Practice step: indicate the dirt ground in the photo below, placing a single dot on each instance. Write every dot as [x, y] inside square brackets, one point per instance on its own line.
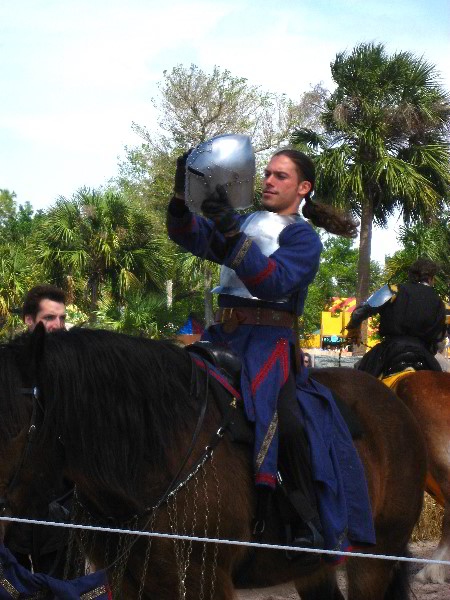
[420, 591]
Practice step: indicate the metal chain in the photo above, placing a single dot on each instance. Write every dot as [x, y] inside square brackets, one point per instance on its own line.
[173, 523]
[218, 523]
[71, 545]
[205, 529]
[90, 567]
[82, 539]
[107, 547]
[204, 549]
[146, 559]
[114, 577]
[123, 551]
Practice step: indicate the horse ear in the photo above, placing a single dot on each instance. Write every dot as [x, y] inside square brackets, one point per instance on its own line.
[37, 342]
[38, 335]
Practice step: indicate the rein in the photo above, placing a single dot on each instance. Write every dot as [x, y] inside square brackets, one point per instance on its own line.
[34, 393]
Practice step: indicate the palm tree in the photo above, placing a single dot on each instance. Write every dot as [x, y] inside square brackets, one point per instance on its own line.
[384, 145]
[17, 273]
[97, 237]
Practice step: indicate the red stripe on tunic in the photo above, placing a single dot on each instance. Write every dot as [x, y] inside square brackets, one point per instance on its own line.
[268, 479]
[281, 353]
[259, 278]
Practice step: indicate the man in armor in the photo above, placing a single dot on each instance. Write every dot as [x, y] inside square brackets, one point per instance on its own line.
[268, 259]
[412, 322]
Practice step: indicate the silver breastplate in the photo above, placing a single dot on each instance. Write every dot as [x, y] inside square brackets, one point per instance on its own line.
[264, 229]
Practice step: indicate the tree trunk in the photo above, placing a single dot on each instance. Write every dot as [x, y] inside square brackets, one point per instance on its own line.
[70, 293]
[169, 292]
[94, 300]
[365, 246]
[209, 317]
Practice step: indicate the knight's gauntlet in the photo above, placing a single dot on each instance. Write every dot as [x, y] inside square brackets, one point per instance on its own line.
[354, 335]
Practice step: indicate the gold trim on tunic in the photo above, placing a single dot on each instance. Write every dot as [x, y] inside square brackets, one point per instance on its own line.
[7, 585]
[267, 441]
[94, 593]
[242, 252]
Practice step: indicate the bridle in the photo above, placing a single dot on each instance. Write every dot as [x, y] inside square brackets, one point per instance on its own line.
[31, 434]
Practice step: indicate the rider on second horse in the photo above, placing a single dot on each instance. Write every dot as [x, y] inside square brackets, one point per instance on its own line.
[412, 322]
[268, 260]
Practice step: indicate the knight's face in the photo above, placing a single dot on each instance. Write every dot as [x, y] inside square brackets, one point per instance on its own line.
[283, 191]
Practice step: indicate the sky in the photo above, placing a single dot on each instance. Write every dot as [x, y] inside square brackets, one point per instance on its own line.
[75, 74]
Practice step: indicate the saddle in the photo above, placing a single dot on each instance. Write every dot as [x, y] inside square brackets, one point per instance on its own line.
[394, 355]
[408, 353]
[229, 366]
[222, 358]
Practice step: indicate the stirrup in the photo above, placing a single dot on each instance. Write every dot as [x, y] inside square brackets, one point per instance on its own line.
[259, 527]
[309, 538]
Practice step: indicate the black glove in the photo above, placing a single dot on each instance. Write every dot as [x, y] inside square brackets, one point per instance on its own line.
[217, 208]
[180, 175]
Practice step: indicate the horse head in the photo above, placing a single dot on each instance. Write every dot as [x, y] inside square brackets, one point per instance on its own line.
[21, 416]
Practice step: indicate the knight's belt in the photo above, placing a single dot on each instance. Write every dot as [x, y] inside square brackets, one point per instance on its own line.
[254, 316]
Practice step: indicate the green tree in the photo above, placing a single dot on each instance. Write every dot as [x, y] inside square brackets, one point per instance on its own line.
[17, 275]
[16, 223]
[18, 268]
[384, 145]
[423, 239]
[196, 106]
[97, 238]
[146, 314]
[7, 205]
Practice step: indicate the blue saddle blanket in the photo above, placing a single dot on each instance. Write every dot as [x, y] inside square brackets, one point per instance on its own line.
[18, 582]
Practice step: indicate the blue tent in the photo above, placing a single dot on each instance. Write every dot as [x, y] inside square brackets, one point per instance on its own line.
[192, 326]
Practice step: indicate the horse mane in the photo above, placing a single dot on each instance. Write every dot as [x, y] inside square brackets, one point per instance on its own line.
[14, 410]
[118, 404]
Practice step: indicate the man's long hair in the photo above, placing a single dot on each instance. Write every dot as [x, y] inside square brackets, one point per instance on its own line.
[318, 213]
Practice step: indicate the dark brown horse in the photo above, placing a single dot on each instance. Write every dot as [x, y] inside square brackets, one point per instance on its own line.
[427, 395]
[118, 414]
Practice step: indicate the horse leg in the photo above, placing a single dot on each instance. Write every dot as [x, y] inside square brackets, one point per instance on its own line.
[220, 587]
[378, 579]
[436, 573]
[375, 579]
[323, 588]
[177, 569]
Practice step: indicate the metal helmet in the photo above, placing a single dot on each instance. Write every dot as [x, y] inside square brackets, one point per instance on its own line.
[227, 160]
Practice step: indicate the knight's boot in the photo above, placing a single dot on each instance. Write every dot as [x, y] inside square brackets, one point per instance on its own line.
[263, 500]
[303, 527]
[302, 523]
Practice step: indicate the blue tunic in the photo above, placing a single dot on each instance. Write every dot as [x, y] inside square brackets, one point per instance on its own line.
[16, 581]
[266, 355]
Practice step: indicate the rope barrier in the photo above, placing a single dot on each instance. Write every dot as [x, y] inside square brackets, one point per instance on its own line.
[222, 541]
